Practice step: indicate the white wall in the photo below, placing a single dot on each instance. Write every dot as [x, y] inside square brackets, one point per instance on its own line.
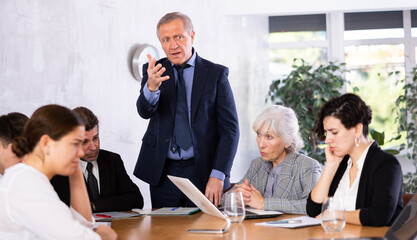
[76, 53]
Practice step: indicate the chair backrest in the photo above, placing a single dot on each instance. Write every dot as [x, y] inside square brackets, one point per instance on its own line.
[231, 186]
[406, 198]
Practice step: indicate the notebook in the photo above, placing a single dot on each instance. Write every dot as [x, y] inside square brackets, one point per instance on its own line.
[198, 198]
[113, 215]
[404, 227]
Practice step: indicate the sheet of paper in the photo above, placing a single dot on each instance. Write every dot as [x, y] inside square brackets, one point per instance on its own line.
[174, 211]
[114, 215]
[107, 223]
[305, 222]
[143, 211]
[262, 212]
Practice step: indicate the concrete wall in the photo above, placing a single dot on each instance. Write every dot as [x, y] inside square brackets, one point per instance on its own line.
[76, 53]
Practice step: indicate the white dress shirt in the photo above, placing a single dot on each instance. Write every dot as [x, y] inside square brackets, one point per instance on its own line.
[31, 209]
[346, 192]
[83, 165]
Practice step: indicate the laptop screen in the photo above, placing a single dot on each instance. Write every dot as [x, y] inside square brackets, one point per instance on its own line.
[405, 226]
[194, 194]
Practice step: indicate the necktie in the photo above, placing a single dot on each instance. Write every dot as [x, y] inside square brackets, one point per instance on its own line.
[181, 134]
[92, 183]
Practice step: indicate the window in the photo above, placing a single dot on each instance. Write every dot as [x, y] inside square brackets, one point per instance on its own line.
[296, 37]
[414, 23]
[375, 46]
[377, 53]
[370, 71]
[414, 32]
[281, 60]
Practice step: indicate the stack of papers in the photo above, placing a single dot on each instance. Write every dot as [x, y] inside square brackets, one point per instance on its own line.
[296, 222]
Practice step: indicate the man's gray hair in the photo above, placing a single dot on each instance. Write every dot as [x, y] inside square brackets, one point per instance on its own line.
[188, 25]
[284, 123]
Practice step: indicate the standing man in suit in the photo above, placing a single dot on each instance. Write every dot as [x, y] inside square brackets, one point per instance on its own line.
[193, 130]
[109, 186]
[11, 127]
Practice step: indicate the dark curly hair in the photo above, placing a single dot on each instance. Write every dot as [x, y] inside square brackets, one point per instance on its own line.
[349, 108]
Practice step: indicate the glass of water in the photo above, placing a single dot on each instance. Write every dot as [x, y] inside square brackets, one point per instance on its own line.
[234, 207]
[332, 215]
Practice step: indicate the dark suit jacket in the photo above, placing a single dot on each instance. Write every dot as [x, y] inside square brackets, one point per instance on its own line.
[214, 123]
[380, 188]
[117, 191]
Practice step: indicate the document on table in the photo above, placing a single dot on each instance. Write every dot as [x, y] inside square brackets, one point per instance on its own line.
[262, 212]
[175, 211]
[102, 222]
[296, 222]
[114, 215]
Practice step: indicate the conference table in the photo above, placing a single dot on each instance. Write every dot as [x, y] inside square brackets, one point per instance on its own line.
[175, 227]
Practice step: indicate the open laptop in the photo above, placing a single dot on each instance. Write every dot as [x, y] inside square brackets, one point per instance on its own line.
[404, 227]
[198, 198]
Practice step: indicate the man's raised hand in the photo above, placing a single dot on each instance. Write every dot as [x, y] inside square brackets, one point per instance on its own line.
[155, 78]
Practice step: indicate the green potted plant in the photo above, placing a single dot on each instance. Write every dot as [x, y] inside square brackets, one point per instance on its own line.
[407, 119]
[305, 90]
[379, 137]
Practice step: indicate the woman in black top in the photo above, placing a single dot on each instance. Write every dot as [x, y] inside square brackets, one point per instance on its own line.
[350, 155]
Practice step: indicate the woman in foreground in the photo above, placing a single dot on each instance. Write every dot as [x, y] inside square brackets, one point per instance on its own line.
[29, 206]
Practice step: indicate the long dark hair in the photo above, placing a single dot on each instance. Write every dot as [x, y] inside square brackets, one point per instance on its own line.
[53, 120]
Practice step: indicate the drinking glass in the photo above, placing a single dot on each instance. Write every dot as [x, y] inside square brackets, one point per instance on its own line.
[237, 232]
[234, 208]
[332, 215]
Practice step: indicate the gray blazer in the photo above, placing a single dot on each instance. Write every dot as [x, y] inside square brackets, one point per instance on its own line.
[298, 177]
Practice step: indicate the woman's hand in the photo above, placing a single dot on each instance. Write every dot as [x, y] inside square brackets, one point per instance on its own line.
[331, 158]
[79, 197]
[245, 189]
[106, 232]
[251, 196]
[321, 190]
[256, 199]
[244, 186]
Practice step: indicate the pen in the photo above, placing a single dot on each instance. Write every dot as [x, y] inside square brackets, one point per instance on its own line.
[284, 221]
[101, 215]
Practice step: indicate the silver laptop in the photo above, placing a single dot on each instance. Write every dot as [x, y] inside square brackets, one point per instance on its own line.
[194, 194]
[198, 198]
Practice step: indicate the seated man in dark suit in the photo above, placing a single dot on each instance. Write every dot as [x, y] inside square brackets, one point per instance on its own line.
[109, 186]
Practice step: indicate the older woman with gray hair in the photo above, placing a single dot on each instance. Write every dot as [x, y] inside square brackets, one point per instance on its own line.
[281, 178]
